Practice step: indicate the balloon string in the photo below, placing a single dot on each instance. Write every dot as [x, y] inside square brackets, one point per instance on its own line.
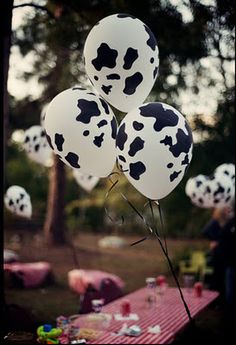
[171, 267]
[162, 225]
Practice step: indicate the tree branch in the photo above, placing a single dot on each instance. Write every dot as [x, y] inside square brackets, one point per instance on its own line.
[36, 6]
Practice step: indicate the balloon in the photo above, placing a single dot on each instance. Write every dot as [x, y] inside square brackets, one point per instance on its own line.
[154, 148]
[210, 192]
[81, 129]
[36, 146]
[121, 60]
[87, 182]
[17, 201]
[227, 169]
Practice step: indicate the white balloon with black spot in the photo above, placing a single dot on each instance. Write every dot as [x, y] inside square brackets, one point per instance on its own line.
[81, 129]
[17, 201]
[226, 169]
[87, 182]
[122, 60]
[36, 146]
[154, 148]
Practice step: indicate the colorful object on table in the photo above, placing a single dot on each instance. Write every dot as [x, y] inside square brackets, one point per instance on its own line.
[97, 305]
[198, 287]
[48, 335]
[131, 316]
[17, 201]
[160, 280]
[125, 307]
[133, 331]
[122, 60]
[154, 143]
[81, 129]
[62, 322]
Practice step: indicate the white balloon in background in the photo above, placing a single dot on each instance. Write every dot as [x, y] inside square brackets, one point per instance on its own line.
[17, 201]
[87, 182]
[154, 148]
[36, 146]
[81, 129]
[226, 169]
[43, 114]
[121, 60]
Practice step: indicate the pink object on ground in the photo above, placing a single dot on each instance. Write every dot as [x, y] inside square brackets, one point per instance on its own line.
[80, 279]
[32, 274]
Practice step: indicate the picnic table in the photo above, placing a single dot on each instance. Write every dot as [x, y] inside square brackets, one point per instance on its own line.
[168, 312]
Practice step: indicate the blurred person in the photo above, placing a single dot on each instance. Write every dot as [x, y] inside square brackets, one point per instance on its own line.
[221, 232]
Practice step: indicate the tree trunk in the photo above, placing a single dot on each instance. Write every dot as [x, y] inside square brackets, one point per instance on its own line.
[7, 19]
[54, 226]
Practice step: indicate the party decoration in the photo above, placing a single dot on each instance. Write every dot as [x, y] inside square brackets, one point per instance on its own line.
[87, 182]
[48, 335]
[121, 60]
[227, 169]
[36, 146]
[81, 129]
[17, 201]
[213, 191]
[154, 148]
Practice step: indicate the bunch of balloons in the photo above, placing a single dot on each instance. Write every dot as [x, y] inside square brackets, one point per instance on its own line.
[214, 191]
[153, 143]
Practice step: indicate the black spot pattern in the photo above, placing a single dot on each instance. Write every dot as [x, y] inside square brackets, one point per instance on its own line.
[106, 57]
[43, 134]
[113, 128]
[130, 56]
[155, 72]
[136, 146]
[35, 137]
[22, 207]
[125, 15]
[86, 133]
[136, 169]
[10, 203]
[102, 123]
[49, 141]
[219, 190]
[174, 175]
[200, 200]
[216, 201]
[105, 106]
[59, 140]
[78, 88]
[185, 161]
[228, 198]
[98, 140]
[152, 60]
[170, 165]
[121, 137]
[36, 148]
[96, 77]
[167, 140]
[106, 89]
[151, 42]
[198, 183]
[91, 93]
[122, 158]
[88, 110]
[164, 118]
[72, 158]
[113, 76]
[226, 172]
[27, 139]
[132, 82]
[138, 126]
[183, 143]
[17, 201]
[22, 196]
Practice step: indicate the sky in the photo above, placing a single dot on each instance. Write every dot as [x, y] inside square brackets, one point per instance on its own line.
[203, 103]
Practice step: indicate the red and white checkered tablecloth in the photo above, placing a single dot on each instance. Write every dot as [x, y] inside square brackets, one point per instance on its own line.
[169, 313]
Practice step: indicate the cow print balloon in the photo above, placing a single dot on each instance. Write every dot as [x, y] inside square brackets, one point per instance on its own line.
[213, 191]
[81, 129]
[154, 148]
[17, 201]
[227, 169]
[121, 60]
[36, 146]
[87, 182]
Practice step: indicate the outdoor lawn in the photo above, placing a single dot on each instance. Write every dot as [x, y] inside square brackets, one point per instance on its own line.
[132, 264]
